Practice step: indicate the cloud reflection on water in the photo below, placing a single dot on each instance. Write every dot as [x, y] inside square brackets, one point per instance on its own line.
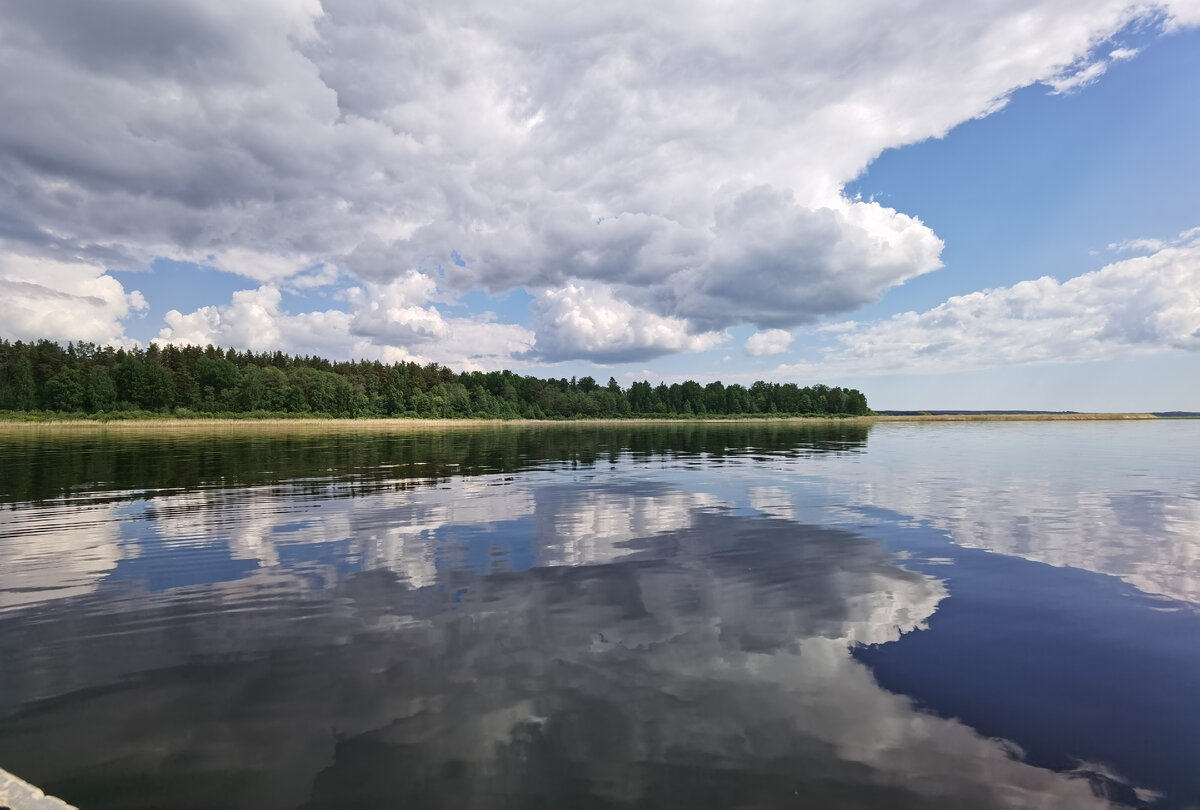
[657, 648]
[60, 552]
[1112, 498]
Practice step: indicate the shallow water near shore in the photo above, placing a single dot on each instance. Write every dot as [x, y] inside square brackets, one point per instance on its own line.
[664, 615]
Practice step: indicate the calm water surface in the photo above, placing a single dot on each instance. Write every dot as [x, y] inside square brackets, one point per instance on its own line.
[694, 616]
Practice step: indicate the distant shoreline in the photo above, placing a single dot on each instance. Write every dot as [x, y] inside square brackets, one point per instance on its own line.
[1011, 417]
[199, 425]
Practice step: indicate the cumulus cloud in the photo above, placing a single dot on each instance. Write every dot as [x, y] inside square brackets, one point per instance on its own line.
[1138, 305]
[1075, 78]
[772, 341]
[790, 264]
[61, 300]
[395, 312]
[383, 323]
[253, 320]
[588, 321]
[688, 158]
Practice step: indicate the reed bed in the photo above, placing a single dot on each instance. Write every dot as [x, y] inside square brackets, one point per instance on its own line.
[235, 426]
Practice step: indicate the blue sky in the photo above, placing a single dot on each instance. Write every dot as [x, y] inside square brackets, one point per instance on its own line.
[944, 207]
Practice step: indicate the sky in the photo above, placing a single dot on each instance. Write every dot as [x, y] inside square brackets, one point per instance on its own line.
[945, 205]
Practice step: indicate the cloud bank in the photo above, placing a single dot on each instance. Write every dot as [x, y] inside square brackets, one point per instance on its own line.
[1138, 305]
[681, 164]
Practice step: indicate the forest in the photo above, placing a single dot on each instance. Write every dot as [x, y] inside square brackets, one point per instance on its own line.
[88, 380]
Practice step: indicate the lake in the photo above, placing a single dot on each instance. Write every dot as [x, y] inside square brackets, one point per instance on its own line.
[693, 615]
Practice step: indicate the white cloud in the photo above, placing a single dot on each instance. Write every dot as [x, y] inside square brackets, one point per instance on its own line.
[1181, 15]
[395, 312]
[253, 320]
[589, 321]
[1075, 78]
[259, 265]
[383, 323]
[687, 156]
[1146, 245]
[61, 300]
[772, 341]
[323, 275]
[1139, 305]
[1089, 70]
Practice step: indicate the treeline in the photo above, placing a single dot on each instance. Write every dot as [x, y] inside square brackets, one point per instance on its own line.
[83, 378]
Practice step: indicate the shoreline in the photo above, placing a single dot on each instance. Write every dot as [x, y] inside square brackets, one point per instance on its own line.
[200, 425]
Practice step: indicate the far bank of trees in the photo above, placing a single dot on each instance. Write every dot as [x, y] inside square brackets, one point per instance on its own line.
[82, 378]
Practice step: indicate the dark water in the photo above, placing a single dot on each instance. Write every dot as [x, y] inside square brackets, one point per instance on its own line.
[692, 616]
